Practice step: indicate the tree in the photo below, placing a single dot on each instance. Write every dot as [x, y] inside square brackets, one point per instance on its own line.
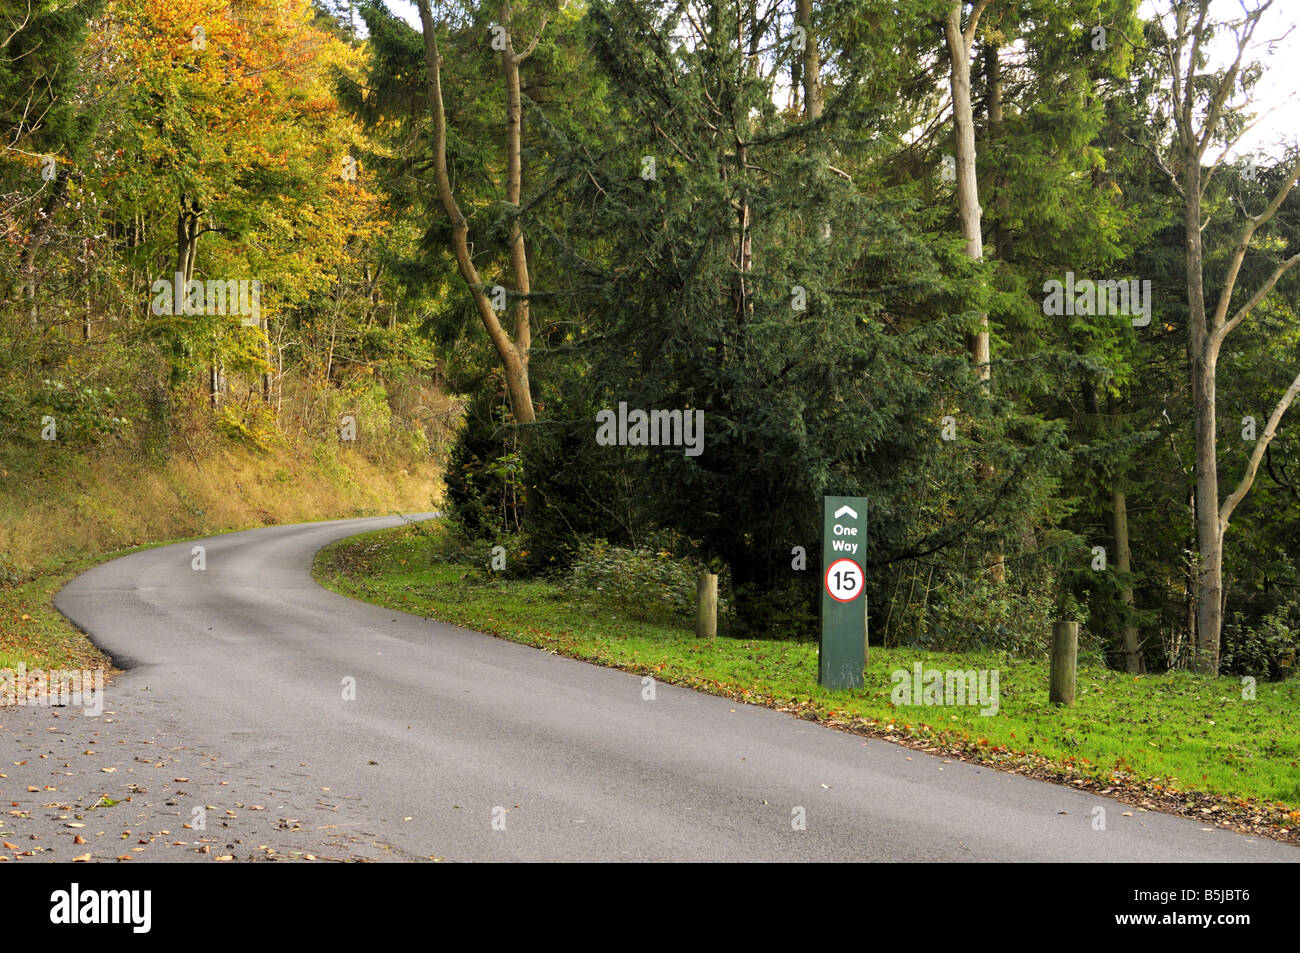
[1200, 107]
[512, 351]
[960, 39]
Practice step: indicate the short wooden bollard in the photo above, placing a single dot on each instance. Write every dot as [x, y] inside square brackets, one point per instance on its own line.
[1065, 653]
[866, 635]
[706, 618]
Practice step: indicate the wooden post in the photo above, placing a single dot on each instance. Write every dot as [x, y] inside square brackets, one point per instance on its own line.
[1065, 652]
[866, 632]
[706, 618]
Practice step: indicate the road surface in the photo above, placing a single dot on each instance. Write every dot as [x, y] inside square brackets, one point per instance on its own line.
[464, 747]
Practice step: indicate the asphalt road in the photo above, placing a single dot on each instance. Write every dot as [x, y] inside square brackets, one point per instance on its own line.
[237, 677]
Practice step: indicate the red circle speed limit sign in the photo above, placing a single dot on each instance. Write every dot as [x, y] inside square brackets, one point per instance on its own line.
[844, 580]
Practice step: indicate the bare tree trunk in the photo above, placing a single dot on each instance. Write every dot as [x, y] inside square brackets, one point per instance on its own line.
[1001, 202]
[27, 261]
[267, 375]
[961, 41]
[1123, 565]
[814, 97]
[1197, 101]
[513, 359]
[969, 212]
[514, 189]
[86, 277]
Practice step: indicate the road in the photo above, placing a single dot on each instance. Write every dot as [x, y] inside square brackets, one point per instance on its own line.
[463, 747]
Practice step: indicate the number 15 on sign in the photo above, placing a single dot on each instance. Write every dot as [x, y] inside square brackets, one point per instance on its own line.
[844, 580]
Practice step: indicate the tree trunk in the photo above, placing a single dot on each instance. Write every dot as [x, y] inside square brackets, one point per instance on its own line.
[1001, 202]
[968, 201]
[814, 97]
[267, 376]
[960, 43]
[1203, 359]
[27, 261]
[513, 361]
[1123, 566]
[514, 190]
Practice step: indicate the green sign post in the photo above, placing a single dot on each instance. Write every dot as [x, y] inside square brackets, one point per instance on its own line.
[842, 653]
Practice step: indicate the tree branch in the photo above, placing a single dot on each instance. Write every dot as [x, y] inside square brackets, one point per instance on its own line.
[1239, 254]
[1230, 504]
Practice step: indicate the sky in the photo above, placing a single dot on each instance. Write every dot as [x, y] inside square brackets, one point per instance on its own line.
[1278, 89]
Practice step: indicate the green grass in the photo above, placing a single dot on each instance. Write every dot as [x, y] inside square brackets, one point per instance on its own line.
[34, 633]
[1174, 741]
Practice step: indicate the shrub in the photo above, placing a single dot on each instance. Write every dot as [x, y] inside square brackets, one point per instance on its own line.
[643, 583]
[786, 612]
[1267, 648]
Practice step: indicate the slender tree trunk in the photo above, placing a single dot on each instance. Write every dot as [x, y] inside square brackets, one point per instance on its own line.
[514, 192]
[961, 41]
[1203, 359]
[86, 278]
[1001, 202]
[968, 201]
[267, 375]
[27, 261]
[514, 361]
[814, 98]
[1123, 565]
[814, 95]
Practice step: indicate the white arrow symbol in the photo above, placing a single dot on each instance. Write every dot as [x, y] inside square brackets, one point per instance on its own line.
[844, 509]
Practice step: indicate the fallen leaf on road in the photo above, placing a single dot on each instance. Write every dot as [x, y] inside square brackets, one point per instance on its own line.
[84, 858]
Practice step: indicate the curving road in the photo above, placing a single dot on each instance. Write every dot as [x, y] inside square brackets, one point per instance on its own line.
[237, 671]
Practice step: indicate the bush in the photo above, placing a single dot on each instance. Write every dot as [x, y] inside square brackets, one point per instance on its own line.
[254, 425]
[980, 613]
[1265, 649]
[83, 414]
[786, 612]
[643, 583]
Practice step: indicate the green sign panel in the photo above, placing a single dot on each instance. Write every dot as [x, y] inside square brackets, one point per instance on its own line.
[843, 653]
